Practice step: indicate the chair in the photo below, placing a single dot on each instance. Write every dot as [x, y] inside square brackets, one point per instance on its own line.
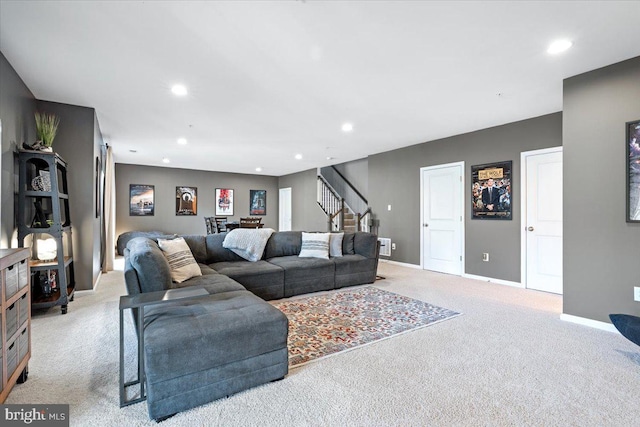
[211, 225]
[250, 222]
[221, 224]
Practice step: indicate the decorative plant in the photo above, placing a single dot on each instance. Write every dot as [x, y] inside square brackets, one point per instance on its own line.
[46, 128]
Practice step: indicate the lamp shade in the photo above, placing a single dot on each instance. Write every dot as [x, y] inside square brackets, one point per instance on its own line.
[47, 249]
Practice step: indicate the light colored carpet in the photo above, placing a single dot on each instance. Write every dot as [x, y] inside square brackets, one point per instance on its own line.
[508, 361]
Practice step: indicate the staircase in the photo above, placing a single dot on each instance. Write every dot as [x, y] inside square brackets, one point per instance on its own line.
[340, 211]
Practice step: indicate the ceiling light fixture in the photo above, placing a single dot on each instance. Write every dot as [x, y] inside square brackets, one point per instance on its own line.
[347, 127]
[559, 46]
[298, 156]
[179, 90]
[182, 141]
[165, 160]
[258, 169]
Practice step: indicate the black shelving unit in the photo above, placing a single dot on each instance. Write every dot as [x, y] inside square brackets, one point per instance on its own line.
[43, 209]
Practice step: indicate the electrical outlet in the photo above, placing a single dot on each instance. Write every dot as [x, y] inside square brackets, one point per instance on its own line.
[636, 293]
[485, 257]
[393, 246]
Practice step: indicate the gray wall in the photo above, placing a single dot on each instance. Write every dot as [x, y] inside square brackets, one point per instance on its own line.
[77, 141]
[17, 107]
[394, 179]
[306, 214]
[166, 180]
[357, 173]
[601, 250]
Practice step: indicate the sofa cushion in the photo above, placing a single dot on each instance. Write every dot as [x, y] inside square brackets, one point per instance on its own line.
[354, 270]
[201, 333]
[347, 243]
[198, 247]
[150, 265]
[262, 278]
[213, 283]
[181, 262]
[304, 275]
[283, 243]
[215, 251]
[366, 244]
[315, 245]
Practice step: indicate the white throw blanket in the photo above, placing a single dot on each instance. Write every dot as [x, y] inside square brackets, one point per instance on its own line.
[249, 243]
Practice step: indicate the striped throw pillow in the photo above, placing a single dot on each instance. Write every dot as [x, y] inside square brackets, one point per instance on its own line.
[181, 261]
[315, 245]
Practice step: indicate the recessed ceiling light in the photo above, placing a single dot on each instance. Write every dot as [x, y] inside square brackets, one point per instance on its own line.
[165, 160]
[182, 141]
[347, 127]
[258, 169]
[179, 90]
[559, 46]
[298, 156]
[330, 158]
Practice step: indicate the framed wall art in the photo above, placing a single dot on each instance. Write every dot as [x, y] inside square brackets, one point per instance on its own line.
[257, 202]
[186, 201]
[633, 171]
[141, 200]
[491, 191]
[224, 202]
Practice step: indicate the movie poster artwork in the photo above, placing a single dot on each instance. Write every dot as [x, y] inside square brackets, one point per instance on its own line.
[224, 202]
[257, 202]
[633, 171]
[141, 200]
[186, 201]
[491, 191]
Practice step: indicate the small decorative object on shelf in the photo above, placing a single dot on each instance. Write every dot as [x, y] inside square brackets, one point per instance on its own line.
[45, 224]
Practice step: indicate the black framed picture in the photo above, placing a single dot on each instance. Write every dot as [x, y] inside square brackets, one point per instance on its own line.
[257, 202]
[141, 200]
[186, 201]
[491, 191]
[633, 171]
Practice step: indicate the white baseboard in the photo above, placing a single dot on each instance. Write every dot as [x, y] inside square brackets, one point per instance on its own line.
[492, 280]
[589, 322]
[401, 264]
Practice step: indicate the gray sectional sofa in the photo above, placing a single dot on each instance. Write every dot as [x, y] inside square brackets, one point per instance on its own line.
[203, 349]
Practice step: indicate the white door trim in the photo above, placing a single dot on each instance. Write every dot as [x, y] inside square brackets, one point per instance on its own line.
[281, 208]
[462, 193]
[523, 207]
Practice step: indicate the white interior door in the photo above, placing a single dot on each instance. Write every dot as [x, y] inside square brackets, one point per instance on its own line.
[284, 221]
[442, 218]
[543, 222]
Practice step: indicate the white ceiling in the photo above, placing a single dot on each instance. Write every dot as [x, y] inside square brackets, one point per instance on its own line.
[268, 80]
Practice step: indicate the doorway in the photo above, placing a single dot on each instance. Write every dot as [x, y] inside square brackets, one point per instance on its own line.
[284, 212]
[442, 225]
[541, 259]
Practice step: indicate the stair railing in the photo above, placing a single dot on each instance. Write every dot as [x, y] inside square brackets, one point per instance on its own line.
[363, 220]
[332, 205]
[342, 187]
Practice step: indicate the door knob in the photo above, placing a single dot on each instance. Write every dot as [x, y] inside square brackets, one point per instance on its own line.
[530, 228]
[425, 224]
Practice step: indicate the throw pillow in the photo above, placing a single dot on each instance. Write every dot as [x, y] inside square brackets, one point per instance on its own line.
[181, 261]
[315, 245]
[335, 244]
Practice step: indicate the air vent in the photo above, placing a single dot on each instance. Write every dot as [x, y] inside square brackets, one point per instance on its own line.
[385, 246]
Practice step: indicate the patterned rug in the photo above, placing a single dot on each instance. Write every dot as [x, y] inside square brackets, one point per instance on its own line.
[326, 324]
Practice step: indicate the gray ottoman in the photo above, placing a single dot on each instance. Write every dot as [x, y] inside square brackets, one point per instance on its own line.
[211, 347]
